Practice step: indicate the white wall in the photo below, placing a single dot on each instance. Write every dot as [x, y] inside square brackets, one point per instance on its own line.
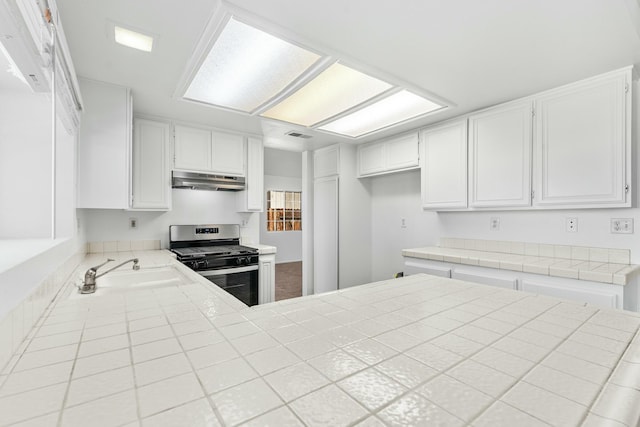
[282, 163]
[189, 207]
[354, 223]
[394, 197]
[289, 243]
[25, 164]
[65, 183]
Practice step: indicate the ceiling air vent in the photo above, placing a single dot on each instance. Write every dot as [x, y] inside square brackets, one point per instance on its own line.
[298, 135]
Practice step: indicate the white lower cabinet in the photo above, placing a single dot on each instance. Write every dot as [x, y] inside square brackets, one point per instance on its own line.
[508, 282]
[598, 294]
[601, 295]
[151, 168]
[267, 278]
[418, 265]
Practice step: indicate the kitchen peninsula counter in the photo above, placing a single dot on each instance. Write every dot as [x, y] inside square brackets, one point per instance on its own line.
[419, 350]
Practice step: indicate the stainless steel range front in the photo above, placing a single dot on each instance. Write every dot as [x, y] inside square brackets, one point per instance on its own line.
[214, 251]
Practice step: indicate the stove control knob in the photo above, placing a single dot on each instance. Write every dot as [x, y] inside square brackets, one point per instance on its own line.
[239, 261]
[192, 264]
[202, 264]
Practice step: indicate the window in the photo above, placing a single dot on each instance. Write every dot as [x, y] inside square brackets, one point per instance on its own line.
[283, 211]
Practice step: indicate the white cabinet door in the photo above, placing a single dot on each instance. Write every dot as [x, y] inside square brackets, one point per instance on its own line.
[326, 162]
[419, 265]
[371, 159]
[266, 282]
[397, 154]
[325, 235]
[500, 156]
[227, 154]
[583, 144]
[252, 199]
[192, 148]
[508, 282]
[402, 152]
[151, 166]
[104, 146]
[600, 298]
[444, 166]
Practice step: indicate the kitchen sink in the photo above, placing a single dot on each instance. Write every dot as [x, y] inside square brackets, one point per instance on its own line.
[135, 280]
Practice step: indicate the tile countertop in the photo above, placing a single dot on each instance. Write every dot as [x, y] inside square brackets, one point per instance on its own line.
[618, 274]
[420, 350]
[262, 249]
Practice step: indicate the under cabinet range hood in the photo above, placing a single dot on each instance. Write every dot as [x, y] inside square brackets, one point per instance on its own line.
[204, 181]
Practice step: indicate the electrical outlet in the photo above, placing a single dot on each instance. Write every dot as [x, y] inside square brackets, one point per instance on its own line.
[244, 222]
[133, 222]
[622, 225]
[494, 223]
[572, 225]
[403, 223]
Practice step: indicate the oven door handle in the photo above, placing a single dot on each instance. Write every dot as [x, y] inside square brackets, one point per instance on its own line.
[226, 271]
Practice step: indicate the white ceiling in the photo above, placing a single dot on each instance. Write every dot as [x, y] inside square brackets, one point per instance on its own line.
[472, 53]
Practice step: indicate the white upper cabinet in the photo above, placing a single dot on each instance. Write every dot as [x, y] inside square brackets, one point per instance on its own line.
[104, 146]
[500, 141]
[371, 159]
[205, 150]
[151, 183]
[392, 155]
[583, 143]
[192, 148]
[444, 166]
[326, 161]
[252, 198]
[228, 153]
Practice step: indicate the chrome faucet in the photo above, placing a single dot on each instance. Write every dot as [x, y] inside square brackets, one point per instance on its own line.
[91, 275]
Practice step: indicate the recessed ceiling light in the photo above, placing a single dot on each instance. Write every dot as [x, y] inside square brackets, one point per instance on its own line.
[247, 67]
[389, 111]
[133, 39]
[241, 68]
[336, 89]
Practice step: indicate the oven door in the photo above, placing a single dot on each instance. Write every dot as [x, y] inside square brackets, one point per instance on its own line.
[241, 282]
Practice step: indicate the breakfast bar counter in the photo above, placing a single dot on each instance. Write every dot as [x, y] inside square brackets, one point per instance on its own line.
[419, 350]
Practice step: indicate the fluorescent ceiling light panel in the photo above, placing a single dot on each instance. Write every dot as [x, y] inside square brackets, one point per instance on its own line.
[389, 111]
[336, 89]
[247, 67]
[132, 39]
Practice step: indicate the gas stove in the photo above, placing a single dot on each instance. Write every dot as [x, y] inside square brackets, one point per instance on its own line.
[214, 251]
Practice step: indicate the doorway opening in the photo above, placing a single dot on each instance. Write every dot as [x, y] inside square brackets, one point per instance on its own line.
[283, 220]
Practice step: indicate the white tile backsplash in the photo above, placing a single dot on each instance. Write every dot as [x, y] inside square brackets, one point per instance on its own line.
[574, 253]
[123, 246]
[20, 322]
